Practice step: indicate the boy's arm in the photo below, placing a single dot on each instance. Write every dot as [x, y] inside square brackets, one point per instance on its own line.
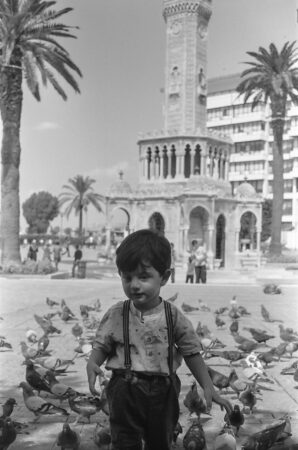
[198, 368]
[96, 359]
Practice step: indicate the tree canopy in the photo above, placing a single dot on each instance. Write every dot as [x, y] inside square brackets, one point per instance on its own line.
[39, 210]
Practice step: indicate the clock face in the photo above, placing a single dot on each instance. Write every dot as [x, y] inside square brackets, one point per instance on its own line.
[176, 27]
[202, 30]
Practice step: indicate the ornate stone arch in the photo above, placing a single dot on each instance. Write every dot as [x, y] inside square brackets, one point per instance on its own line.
[199, 218]
[248, 229]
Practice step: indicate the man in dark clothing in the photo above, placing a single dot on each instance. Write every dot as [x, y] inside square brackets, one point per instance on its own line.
[78, 254]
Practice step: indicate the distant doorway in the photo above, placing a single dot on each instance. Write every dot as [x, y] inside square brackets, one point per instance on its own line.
[157, 223]
[220, 239]
[198, 225]
[248, 232]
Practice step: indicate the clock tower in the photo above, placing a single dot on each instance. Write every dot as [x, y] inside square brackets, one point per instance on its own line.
[186, 65]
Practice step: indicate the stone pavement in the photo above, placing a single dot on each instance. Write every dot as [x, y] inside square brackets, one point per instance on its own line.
[23, 296]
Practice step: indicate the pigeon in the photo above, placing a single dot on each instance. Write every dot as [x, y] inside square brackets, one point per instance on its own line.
[237, 384]
[64, 307]
[225, 440]
[291, 348]
[51, 303]
[37, 405]
[188, 308]
[266, 315]
[234, 314]
[264, 439]
[49, 316]
[31, 336]
[219, 380]
[267, 357]
[287, 431]
[7, 407]
[46, 325]
[5, 344]
[84, 406]
[230, 355]
[286, 335]
[8, 433]
[221, 310]
[233, 302]
[243, 311]
[87, 308]
[203, 331]
[280, 350]
[102, 437]
[60, 390]
[68, 438]
[234, 326]
[194, 402]
[247, 346]
[235, 418]
[194, 438]
[66, 316]
[203, 306]
[97, 305]
[31, 352]
[35, 380]
[259, 335]
[219, 323]
[84, 347]
[290, 370]
[43, 342]
[77, 330]
[238, 338]
[248, 397]
[271, 288]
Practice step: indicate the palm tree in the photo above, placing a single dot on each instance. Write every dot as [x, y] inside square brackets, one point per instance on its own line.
[79, 194]
[28, 50]
[274, 77]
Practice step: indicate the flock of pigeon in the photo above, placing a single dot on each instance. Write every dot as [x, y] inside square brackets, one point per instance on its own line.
[254, 360]
[44, 392]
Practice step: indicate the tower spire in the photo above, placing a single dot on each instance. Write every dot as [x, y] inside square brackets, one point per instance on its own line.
[186, 64]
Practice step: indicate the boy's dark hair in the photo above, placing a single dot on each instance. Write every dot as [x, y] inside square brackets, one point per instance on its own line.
[144, 246]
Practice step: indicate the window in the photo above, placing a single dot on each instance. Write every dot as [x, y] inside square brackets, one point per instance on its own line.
[288, 185]
[287, 207]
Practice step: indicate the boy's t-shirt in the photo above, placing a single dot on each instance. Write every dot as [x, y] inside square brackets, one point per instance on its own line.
[148, 339]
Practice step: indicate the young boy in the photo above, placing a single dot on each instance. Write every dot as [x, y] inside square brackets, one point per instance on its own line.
[143, 341]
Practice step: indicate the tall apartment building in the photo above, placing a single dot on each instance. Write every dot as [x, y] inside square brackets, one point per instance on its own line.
[251, 158]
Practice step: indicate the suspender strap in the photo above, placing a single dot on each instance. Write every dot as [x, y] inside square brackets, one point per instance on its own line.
[170, 328]
[127, 359]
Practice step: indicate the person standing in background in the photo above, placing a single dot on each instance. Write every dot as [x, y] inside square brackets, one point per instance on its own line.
[78, 254]
[190, 271]
[173, 259]
[198, 250]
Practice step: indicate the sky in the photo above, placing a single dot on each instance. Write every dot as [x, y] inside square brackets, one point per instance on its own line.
[120, 49]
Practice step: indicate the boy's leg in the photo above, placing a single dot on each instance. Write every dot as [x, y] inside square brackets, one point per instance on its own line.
[163, 414]
[191, 278]
[127, 414]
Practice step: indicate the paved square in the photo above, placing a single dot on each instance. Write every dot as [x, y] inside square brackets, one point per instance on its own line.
[22, 297]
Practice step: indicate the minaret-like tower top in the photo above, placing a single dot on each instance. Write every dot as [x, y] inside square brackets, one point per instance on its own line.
[186, 65]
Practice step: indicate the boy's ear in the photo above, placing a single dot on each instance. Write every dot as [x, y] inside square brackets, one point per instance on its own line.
[166, 276]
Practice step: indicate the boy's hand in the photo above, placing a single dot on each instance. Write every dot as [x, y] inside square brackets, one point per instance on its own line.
[212, 396]
[93, 370]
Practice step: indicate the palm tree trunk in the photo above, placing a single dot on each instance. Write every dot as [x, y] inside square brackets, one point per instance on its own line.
[277, 186]
[81, 225]
[11, 97]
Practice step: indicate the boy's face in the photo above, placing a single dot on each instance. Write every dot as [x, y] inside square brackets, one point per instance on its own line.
[143, 284]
